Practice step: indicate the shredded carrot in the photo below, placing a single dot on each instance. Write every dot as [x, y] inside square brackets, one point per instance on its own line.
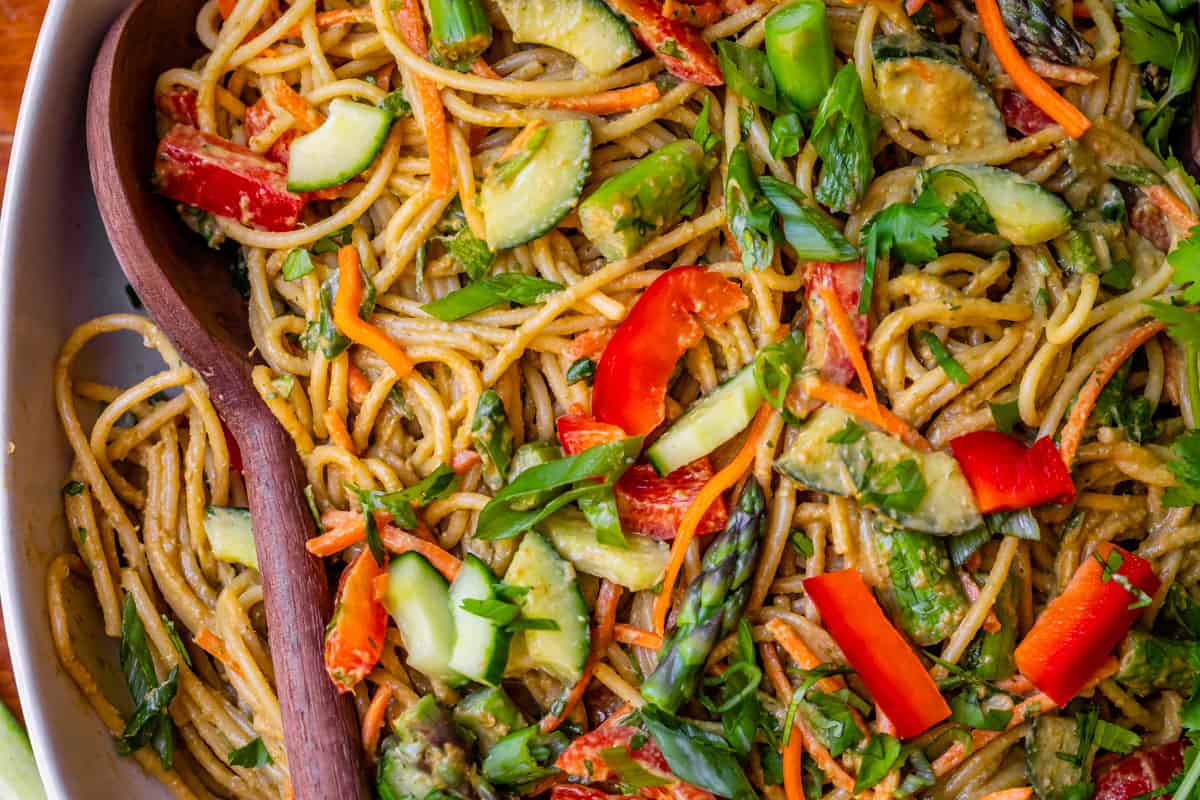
[860, 406]
[226, 7]
[358, 330]
[359, 384]
[372, 722]
[1176, 211]
[957, 752]
[307, 117]
[1020, 793]
[433, 114]
[484, 70]
[399, 541]
[335, 540]
[463, 460]
[911, 7]
[612, 101]
[843, 328]
[602, 635]
[210, 643]
[1032, 85]
[345, 528]
[1017, 684]
[991, 623]
[338, 432]
[708, 494]
[339, 16]
[1085, 403]
[793, 773]
[787, 638]
[628, 634]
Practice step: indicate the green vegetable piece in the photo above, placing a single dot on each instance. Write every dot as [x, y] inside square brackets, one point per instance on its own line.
[1038, 30]
[427, 757]
[712, 604]
[696, 755]
[252, 754]
[807, 229]
[923, 594]
[524, 756]
[1076, 254]
[489, 715]
[843, 134]
[512, 287]
[533, 454]
[949, 364]
[630, 208]
[800, 51]
[830, 718]
[150, 724]
[747, 74]
[750, 215]
[1150, 663]
[636, 566]
[459, 31]
[990, 655]
[1052, 761]
[493, 439]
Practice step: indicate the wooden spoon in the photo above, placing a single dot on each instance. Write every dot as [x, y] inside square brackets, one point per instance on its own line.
[186, 287]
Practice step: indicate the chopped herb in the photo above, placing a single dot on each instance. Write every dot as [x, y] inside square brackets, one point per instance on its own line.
[150, 724]
[900, 487]
[913, 230]
[966, 709]
[472, 253]
[878, 757]
[81, 534]
[806, 227]
[803, 544]
[750, 215]
[970, 211]
[334, 241]
[1042, 297]
[1133, 413]
[843, 134]
[849, 434]
[747, 74]
[776, 365]
[582, 369]
[1186, 469]
[1115, 738]
[786, 133]
[513, 287]
[1119, 276]
[507, 168]
[395, 104]
[670, 48]
[954, 370]
[1005, 415]
[1109, 573]
[400, 504]
[251, 755]
[696, 755]
[297, 264]
[283, 385]
[173, 635]
[73, 488]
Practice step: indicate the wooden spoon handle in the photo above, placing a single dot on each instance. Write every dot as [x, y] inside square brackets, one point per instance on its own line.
[316, 720]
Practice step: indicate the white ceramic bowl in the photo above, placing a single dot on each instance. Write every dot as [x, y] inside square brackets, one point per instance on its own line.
[56, 271]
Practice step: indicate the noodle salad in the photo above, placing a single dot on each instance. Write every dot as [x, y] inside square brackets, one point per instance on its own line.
[698, 398]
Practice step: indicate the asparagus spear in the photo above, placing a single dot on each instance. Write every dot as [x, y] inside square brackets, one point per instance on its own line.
[490, 715]
[629, 209]
[460, 31]
[493, 439]
[427, 756]
[1039, 31]
[712, 604]
[800, 53]
[1150, 663]
[924, 595]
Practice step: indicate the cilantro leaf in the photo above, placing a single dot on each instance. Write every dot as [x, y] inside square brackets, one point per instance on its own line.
[1186, 469]
[1185, 265]
[252, 754]
[970, 211]
[472, 253]
[913, 230]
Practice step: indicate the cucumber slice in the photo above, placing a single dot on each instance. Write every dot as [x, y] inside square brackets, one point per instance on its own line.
[710, 422]
[948, 506]
[553, 594]
[418, 598]
[922, 594]
[1049, 774]
[18, 772]
[520, 207]
[528, 455]
[587, 29]
[231, 535]
[340, 149]
[1025, 213]
[926, 87]
[637, 567]
[480, 645]
[489, 715]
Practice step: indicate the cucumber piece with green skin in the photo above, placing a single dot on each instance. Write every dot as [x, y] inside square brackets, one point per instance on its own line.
[18, 771]
[947, 507]
[427, 757]
[923, 594]
[524, 202]
[528, 455]
[1049, 775]
[343, 147]
[231, 535]
[586, 29]
[480, 644]
[990, 655]
[1025, 213]
[710, 422]
[553, 594]
[925, 86]
[490, 715]
[631, 208]
[638, 567]
[1151, 663]
[418, 598]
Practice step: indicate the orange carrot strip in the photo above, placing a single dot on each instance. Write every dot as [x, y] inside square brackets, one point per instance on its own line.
[844, 330]
[628, 634]
[372, 723]
[463, 460]
[433, 115]
[399, 541]
[787, 638]
[957, 752]
[793, 773]
[1032, 85]
[1017, 684]
[709, 492]
[484, 70]
[602, 634]
[358, 330]
[210, 643]
[307, 117]
[860, 406]
[1176, 211]
[1072, 432]
[226, 7]
[1019, 793]
[339, 16]
[338, 432]
[359, 384]
[612, 101]
[335, 540]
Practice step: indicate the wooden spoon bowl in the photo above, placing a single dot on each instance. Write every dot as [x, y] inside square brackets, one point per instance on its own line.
[186, 287]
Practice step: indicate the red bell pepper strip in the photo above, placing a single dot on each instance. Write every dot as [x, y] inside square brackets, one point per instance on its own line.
[1022, 115]
[691, 58]
[355, 637]
[585, 759]
[1141, 772]
[895, 677]
[258, 118]
[180, 105]
[647, 503]
[1007, 476]
[573, 791]
[225, 179]
[630, 386]
[1080, 627]
[825, 351]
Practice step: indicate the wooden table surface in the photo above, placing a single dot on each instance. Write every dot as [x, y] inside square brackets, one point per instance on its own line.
[19, 23]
